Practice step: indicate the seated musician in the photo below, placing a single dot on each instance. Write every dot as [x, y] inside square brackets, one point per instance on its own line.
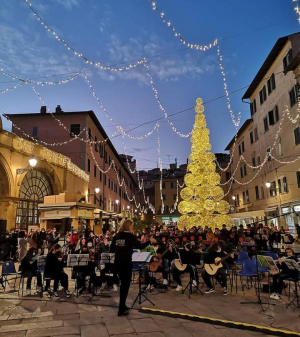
[186, 258]
[29, 269]
[216, 250]
[108, 275]
[54, 269]
[81, 272]
[285, 273]
[149, 279]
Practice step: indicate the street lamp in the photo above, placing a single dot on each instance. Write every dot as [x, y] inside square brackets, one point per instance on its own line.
[268, 184]
[117, 202]
[32, 162]
[233, 197]
[97, 190]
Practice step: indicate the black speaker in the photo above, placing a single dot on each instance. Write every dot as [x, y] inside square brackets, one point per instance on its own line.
[66, 224]
[3, 224]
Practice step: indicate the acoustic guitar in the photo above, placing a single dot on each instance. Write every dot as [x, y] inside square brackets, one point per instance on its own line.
[153, 266]
[212, 268]
[180, 266]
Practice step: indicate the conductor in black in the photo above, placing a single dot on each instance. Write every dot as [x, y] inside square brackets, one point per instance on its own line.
[122, 245]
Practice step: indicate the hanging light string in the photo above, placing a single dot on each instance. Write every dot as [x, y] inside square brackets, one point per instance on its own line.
[161, 106]
[161, 170]
[71, 78]
[77, 53]
[10, 89]
[297, 9]
[178, 35]
[238, 121]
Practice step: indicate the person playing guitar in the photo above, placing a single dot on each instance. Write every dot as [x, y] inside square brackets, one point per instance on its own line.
[216, 255]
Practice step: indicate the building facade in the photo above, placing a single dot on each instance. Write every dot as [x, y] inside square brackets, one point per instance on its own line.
[266, 183]
[93, 154]
[23, 188]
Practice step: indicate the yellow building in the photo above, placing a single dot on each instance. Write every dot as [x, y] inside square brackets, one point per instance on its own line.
[268, 187]
[23, 187]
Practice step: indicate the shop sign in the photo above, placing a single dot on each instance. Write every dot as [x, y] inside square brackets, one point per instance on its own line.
[55, 213]
[297, 208]
[86, 213]
[285, 210]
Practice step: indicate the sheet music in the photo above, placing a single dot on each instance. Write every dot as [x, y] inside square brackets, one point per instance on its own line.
[141, 257]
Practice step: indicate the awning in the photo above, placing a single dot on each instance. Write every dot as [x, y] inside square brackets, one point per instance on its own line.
[271, 209]
[247, 215]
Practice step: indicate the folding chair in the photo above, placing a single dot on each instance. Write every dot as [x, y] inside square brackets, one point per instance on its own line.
[249, 270]
[8, 269]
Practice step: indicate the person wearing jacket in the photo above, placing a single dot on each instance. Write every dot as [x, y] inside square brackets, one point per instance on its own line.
[122, 245]
[29, 269]
[54, 269]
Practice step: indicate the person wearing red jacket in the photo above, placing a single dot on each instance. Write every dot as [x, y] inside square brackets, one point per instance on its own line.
[73, 240]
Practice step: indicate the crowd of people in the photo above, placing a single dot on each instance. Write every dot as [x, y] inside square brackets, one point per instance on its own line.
[178, 247]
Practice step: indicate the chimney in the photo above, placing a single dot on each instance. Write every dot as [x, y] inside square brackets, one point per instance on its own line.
[58, 109]
[43, 110]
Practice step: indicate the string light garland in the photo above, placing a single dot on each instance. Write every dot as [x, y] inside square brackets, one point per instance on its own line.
[74, 51]
[297, 9]
[65, 81]
[178, 35]
[202, 202]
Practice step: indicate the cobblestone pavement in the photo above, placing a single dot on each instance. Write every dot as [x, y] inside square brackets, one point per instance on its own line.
[32, 316]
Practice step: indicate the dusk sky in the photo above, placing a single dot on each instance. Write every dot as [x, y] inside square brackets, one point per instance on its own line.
[116, 31]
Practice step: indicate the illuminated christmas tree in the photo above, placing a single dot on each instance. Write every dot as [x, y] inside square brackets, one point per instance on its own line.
[202, 197]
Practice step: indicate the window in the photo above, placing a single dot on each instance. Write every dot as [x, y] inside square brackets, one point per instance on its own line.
[262, 192]
[273, 191]
[245, 170]
[271, 84]
[174, 196]
[164, 197]
[35, 132]
[74, 130]
[89, 165]
[279, 186]
[237, 200]
[253, 107]
[273, 116]
[285, 186]
[269, 154]
[251, 137]
[253, 162]
[241, 147]
[256, 193]
[258, 160]
[255, 135]
[294, 95]
[100, 176]
[173, 185]
[104, 179]
[96, 144]
[240, 150]
[105, 156]
[297, 135]
[246, 199]
[287, 59]
[298, 178]
[108, 182]
[279, 147]
[109, 160]
[228, 175]
[242, 172]
[95, 171]
[101, 150]
[263, 95]
[90, 134]
[266, 125]
[163, 185]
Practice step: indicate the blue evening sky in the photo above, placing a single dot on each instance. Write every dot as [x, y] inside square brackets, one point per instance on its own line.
[116, 31]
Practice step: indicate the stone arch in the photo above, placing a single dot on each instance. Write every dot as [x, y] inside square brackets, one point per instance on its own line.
[6, 178]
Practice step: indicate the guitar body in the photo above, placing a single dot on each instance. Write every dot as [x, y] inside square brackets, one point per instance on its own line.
[179, 266]
[153, 266]
[212, 269]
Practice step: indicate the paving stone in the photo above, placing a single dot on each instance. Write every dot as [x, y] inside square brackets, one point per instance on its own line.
[165, 322]
[177, 332]
[86, 321]
[87, 307]
[13, 334]
[10, 322]
[206, 329]
[145, 325]
[94, 330]
[31, 326]
[118, 326]
[150, 334]
[61, 331]
[51, 318]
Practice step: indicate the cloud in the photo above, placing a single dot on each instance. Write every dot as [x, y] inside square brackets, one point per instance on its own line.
[140, 149]
[172, 67]
[69, 4]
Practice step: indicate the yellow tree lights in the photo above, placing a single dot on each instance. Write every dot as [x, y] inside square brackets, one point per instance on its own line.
[202, 197]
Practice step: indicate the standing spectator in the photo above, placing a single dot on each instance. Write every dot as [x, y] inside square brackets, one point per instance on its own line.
[34, 241]
[13, 244]
[224, 234]
[73, 240]
[22, 245]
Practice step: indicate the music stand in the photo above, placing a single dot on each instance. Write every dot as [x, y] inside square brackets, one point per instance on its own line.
[107, 258]
[293, 266]
[77, 260]
[141, 258]
[190, 285]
